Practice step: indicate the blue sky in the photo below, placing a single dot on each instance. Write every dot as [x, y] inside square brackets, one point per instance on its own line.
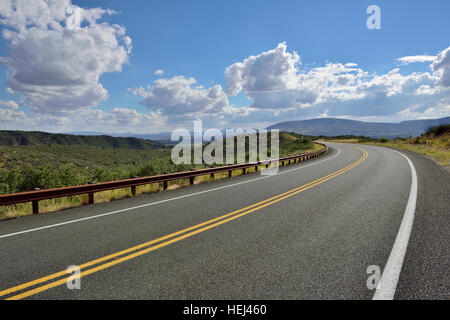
[198, 43]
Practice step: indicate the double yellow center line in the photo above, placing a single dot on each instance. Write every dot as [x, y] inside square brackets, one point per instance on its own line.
[136, 251]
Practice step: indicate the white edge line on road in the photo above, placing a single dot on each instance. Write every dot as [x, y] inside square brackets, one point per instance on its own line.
[391, 273]
[161, 201]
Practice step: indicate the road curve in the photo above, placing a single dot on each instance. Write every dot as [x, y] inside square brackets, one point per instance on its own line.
[309, 232]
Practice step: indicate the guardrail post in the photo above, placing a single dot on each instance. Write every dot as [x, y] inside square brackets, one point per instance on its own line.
[133, 188]
[35, 207]
[165, 185]
[256, 168]
[230, 173]
[91, 194]
[191, 180]
[212, 176]
[35, 203]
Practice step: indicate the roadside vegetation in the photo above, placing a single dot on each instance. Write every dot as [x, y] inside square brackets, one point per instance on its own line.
[434, 143]
[27, 167]
[293, 143]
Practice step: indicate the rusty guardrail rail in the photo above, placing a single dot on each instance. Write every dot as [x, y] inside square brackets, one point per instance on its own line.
[90, 189]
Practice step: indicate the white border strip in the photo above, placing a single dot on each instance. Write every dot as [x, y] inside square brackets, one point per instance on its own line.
[161, 201]
[391, 273]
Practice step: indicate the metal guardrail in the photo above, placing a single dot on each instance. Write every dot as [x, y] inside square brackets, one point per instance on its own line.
[90, 189]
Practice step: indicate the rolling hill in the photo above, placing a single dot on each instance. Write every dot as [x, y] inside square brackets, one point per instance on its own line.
[338, 127]
[37, 138]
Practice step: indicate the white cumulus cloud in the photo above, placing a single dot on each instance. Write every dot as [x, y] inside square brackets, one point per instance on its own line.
[10, 104]
[413, 59]
[56, 69]
[269, 71]
[441, 65]
[10, 114]
[180, 97]
[281, 90]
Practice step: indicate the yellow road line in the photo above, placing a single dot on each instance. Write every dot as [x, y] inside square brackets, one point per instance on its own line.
[210, 224]
[114, 255]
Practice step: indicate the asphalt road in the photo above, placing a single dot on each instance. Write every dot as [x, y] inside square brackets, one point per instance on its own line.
[328, 220]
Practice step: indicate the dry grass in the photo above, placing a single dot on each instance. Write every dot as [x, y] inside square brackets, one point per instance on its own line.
[437, 148]
[288, 137]
[315, 148]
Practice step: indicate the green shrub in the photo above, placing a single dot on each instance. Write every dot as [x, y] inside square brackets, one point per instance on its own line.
[438, 130]
[75, 165]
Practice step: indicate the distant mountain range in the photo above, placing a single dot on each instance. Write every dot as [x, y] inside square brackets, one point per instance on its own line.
[339, 127]
[35, 138]
[314, 127]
